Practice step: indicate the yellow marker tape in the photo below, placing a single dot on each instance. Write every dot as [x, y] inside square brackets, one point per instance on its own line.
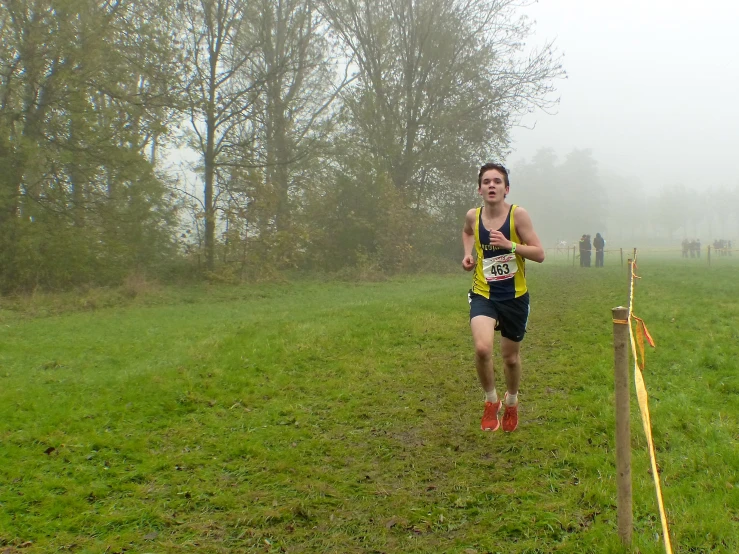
[642, 397]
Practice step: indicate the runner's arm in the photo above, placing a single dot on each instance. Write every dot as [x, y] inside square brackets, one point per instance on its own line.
[468, 233]
[468, 241]
[531, 247]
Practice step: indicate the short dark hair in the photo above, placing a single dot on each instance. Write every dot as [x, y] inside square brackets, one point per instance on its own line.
[491, 165]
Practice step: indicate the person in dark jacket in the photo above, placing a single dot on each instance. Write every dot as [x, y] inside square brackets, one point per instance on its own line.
[600, 245]
[582, 251]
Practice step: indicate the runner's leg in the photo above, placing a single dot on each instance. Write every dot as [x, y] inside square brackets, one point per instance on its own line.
[511, 351]
[483, 329]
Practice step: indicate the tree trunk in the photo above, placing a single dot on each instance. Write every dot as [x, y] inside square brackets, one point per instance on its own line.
[210, 212]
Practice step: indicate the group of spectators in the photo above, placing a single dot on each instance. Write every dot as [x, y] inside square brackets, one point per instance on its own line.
[692, 248]
[722, 247]
[586, 250]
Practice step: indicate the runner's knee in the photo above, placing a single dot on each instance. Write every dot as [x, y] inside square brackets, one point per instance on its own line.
[483, 349]
[511, 358]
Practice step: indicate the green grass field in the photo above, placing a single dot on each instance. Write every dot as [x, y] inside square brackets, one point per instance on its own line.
[336, 417]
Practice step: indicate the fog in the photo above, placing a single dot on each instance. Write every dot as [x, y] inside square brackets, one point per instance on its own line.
[356, 146]
[652, 90]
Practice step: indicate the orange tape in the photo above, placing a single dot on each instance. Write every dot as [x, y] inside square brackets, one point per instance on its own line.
[644, 330]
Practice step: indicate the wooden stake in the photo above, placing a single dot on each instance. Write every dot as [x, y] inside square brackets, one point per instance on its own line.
[623, 433]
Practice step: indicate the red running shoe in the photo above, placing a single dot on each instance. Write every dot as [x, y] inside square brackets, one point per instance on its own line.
[490, 420]
[510, 416]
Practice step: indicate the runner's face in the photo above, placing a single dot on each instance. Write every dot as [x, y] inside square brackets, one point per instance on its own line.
[492, 186]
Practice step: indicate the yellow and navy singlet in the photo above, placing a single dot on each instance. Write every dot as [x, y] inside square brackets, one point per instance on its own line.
[499, 273]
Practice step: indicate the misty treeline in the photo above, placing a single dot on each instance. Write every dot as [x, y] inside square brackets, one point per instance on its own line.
[571, 196]
[331, 135]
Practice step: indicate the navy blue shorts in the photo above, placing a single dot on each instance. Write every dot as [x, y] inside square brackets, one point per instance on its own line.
[511, 316]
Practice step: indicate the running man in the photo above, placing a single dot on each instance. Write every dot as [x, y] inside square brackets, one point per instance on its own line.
[497, 239]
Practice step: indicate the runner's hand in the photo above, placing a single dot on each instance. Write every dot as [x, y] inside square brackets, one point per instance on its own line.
[498, 239]
[468, 263]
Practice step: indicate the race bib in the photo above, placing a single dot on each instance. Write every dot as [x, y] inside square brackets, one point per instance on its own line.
[499, 268]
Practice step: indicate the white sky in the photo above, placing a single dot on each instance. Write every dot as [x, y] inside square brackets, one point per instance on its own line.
[652, 88]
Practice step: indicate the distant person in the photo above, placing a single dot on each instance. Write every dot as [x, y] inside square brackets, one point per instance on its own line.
[582, 251]
[498, 237]
[599, 243]
[588, 250]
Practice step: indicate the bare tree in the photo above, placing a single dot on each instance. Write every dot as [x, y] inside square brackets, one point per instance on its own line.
[441, 82]
[298, 66]
[262, 81]
[218, 100]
